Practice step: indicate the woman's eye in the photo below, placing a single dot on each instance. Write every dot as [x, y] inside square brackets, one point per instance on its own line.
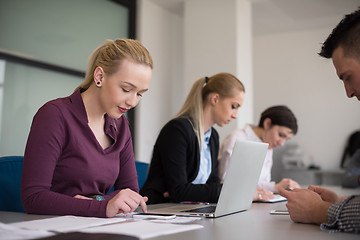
[139, 94]
[125, 90]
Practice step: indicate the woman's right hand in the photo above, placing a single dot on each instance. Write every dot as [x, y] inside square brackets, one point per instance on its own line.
[262, 194]
[125, 201]
[286, 183]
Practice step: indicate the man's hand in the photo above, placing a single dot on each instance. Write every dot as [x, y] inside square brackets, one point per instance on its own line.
[326, 194]
[306, 206]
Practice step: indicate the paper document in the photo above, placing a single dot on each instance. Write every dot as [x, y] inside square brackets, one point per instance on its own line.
[9, 232]
[179, 220]
[143, 229]
[66, 223]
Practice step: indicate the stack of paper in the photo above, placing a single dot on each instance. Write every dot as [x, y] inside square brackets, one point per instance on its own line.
[66, 223]
[143, 229]
[9, 232]
[117, 225]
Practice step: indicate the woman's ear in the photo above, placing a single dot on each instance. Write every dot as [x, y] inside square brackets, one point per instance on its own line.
[267, 123]
[214, 98]
[98, 76]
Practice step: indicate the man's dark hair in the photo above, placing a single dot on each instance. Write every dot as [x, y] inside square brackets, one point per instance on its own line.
[346, 34]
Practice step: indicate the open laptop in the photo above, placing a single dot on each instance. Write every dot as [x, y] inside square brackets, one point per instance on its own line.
[238, 189]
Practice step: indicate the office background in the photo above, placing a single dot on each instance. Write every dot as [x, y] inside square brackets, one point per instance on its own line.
[271, 45]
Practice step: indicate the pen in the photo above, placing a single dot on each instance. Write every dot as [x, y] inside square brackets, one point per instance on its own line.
[190, 202]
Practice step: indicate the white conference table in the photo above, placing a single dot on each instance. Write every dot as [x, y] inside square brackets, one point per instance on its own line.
[255, 223]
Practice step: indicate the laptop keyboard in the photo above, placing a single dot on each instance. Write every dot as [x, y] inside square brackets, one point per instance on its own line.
[208, 209]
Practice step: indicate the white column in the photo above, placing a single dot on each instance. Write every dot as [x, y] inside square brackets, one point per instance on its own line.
[217, 38]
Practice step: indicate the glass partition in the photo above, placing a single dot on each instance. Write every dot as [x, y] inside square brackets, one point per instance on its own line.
[62, 33]
[46, 44]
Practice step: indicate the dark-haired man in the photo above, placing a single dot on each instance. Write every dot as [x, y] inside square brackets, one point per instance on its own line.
[319, 205]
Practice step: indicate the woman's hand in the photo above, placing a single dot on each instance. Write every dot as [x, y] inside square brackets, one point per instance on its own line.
[262, 194]
[286, 183]
[82, 197]
[125, 201]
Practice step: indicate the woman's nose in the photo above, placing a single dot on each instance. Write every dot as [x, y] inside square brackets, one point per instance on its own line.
[234, 115]
[282, 142]
[132, 101]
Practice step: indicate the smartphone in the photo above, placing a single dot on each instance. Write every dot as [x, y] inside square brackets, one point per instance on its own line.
[160, 216]
[279, 212]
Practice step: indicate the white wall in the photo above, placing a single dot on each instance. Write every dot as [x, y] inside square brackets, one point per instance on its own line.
[161, 33]
[187, 45]
[287, 70]
[218, 39]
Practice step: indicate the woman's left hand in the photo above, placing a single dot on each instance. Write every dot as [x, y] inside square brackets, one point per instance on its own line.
[262, 194]
[82, 197]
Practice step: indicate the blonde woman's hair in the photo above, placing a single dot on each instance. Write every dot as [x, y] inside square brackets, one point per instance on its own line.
[109, 54]
[223, 84]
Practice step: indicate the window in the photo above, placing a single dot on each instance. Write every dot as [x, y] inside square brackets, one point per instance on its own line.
[44, 47]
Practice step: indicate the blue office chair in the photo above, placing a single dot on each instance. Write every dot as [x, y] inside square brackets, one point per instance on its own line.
[141, 169]
[10, 180]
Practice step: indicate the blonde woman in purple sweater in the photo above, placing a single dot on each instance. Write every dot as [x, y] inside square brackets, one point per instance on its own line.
[80, 146]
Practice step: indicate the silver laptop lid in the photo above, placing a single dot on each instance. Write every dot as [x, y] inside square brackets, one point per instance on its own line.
[242, 177]
[239, 186]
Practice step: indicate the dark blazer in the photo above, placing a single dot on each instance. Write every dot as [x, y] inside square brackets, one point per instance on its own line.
[175, 164]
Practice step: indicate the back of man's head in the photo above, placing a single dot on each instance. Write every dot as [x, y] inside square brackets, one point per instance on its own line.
[347, 35]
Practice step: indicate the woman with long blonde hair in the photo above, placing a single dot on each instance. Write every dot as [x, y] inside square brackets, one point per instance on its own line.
[80, 146]
[184, 164]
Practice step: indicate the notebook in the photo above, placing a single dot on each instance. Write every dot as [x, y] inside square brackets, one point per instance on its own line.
[277, 198]
[238, 188]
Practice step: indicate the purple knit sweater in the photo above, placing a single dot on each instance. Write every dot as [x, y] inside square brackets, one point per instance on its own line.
[63, 158]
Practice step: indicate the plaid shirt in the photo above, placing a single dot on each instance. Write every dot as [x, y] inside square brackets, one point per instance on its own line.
[344, 216]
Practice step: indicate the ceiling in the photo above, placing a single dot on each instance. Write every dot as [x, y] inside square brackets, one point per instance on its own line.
[276, 16]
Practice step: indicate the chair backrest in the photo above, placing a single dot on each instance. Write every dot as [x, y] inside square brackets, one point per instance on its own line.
[351, 147]
[10, 181]
[141, 169]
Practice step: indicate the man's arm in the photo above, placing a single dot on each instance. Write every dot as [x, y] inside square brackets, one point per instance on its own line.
[344, 216]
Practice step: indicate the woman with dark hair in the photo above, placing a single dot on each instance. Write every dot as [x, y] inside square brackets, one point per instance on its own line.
[277, 124]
